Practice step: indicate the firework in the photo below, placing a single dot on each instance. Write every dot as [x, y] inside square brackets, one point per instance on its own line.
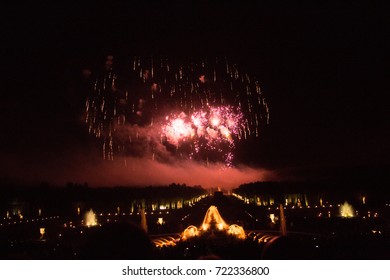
[194, 109]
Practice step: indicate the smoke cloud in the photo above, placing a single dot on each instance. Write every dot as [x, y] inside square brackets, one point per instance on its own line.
[131, 171]
[141, 172]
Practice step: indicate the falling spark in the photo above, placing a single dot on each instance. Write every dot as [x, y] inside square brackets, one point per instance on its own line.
[202, 108]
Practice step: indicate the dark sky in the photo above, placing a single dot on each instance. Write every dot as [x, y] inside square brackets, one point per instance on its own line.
[322, 68]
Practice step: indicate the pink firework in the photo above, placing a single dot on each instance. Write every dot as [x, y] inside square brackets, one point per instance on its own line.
[178, 129]
[210, 104]
[210, 130]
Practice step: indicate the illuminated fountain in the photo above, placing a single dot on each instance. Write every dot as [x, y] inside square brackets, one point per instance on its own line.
[213, 221]
[237, 231]
[346, 210]
[90, 219]
[190, 232]
[166, 241]
[42, 231]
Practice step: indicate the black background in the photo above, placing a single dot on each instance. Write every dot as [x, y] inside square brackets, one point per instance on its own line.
[321, 67]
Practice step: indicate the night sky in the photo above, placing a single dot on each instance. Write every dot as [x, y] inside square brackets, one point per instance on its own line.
[321, 67]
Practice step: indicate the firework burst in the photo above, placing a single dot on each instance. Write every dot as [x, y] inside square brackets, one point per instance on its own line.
[205, 131]
[197, 109]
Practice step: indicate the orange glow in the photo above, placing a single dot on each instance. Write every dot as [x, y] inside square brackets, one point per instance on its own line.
[90, 218]
[165, 241]
[189, 232]
[213, 218]
[346, 210]
[272, 217]
[237, 231]
[160, 221]
[42, 231]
